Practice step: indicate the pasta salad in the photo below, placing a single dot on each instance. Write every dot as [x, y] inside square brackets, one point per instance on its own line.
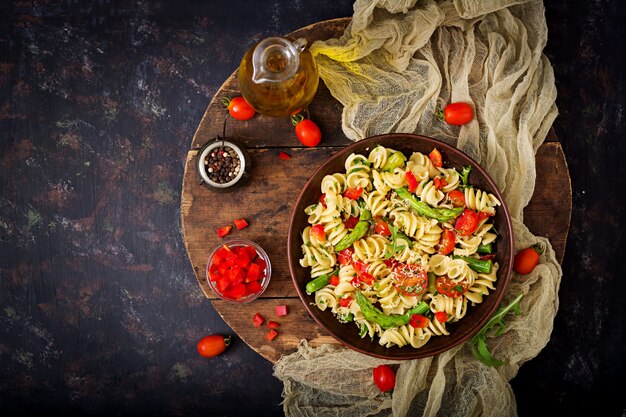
[399, 247]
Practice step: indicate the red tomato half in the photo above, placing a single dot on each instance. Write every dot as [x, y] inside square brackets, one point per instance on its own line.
[457, 198]
[450, 288]
[345, 256]
[447, 242]
[317, 231]
[384, 378]
[213, 345]
[410, 279]
[467, 222]
[382, 228]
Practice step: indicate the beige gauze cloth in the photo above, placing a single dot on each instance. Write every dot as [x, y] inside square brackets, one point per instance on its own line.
[396, 64]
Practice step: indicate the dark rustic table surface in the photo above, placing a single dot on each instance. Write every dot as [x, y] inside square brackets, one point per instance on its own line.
[99, 308]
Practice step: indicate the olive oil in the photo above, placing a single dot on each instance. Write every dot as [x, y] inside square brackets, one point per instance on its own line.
[278, 78]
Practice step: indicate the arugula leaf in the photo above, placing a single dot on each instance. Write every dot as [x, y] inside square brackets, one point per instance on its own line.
[465, 176]
[478, 343]
[395, 245]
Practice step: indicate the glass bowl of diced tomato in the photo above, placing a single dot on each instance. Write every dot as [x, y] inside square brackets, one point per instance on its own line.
[238, 270]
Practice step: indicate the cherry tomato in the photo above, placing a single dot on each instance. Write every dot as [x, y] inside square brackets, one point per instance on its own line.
[457, 114]
[238, 107]
[447, 242]
[450, 288]
[382, 228]
[457, 197]
[467, 222]
[345, 256]
[306, 130]
[213, 345]
[410, 279]
[527, 259]
[436, 158]
[384, 378]
[418, 321]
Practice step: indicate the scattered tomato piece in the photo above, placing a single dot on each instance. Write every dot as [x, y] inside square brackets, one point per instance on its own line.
[281, 310]
[223, 231]
[334, 280]
[241, 224]
[436, 158]
[441, 316]
[284, 156]
[258, 319]
[271, 335]
[272, 324]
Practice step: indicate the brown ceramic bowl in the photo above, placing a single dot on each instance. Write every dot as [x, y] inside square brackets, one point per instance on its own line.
[476, 316]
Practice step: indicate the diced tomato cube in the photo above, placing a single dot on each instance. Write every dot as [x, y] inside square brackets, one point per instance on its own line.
[281, 310]
[345, 302]
[272, 324]
[253, 287]
[241, 224]
[261, 263]
[222, 269]
[251, 252]
[231, 258]
[323, 200]
[258, 319]
[236, 291]
[353, 193]
[253, 273]
[222, 285]
[334, 280]
[441, 316]
[243, 260]
[223, 231]
[411, 180]
[271, 335]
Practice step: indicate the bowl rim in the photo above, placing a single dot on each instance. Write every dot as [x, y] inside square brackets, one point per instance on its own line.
[504, 276]
[237, 241]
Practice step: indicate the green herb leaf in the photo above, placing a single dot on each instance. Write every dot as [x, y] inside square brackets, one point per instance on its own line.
[478, 343]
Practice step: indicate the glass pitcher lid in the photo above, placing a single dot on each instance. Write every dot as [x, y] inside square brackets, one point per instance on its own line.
[276, 59]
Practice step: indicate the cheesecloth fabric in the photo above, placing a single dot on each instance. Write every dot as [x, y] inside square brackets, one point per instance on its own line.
[396, 64]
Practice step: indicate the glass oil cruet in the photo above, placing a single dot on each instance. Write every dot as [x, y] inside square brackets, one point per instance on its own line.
[278, 77]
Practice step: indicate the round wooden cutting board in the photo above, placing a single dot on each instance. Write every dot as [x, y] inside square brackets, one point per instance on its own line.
[267, 198]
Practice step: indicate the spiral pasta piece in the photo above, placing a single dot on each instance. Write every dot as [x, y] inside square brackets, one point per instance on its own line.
[482, 285]
[420, 164]
[479, 200]
[394, 179]
[451, 178]
[370, 248]
[357, 162]
[437, 328]
[404, 335]
[377, 203]
[429, 194]
[335, 231]
[455, 308]
[335, 183]
[378, 157]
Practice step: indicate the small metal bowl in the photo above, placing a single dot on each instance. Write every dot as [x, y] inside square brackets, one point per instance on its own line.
[239, 151]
